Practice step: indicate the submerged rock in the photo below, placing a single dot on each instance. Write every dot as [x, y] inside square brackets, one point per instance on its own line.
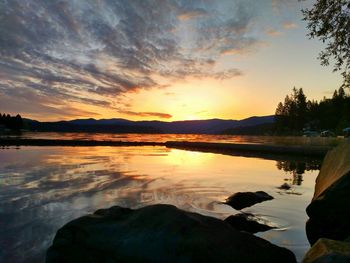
[284, 186]
[158, 233]
[242, 200]
[329, 211]
[327, 250]
[247, 222]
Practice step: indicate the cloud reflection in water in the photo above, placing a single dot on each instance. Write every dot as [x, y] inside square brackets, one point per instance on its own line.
[42, 188]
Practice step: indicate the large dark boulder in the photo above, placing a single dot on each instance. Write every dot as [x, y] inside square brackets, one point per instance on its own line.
[242, 200]
[329, 211]
[158, 233]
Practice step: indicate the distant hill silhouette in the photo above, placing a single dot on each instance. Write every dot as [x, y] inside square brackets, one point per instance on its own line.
[211, 126]
[259, 129]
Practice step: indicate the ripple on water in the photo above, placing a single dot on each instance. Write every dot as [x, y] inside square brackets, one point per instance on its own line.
[278, 224]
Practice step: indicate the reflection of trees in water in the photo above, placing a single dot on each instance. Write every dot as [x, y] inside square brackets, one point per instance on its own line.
[297, 168]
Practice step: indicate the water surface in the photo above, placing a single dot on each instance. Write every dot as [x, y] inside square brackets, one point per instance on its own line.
[42, 188]
[275, 140]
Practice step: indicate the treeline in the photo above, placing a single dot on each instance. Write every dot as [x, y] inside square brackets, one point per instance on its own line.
[297, 114]
[11, 122]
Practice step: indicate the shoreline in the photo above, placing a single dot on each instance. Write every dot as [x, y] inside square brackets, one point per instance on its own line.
[221, 148]
[251, 149]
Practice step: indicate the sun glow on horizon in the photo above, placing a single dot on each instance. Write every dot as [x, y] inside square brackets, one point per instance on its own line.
[231, 60]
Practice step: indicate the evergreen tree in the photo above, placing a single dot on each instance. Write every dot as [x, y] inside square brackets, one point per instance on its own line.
[341, 93]
[13, 123]
[296, 113]
[301, 110]
[291, 115]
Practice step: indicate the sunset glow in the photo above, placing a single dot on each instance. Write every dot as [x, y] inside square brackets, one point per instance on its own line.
[161, 60]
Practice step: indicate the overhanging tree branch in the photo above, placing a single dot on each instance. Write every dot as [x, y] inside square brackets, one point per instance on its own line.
[329, 21]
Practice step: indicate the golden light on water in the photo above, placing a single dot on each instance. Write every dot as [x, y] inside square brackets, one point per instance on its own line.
[72, 181]
[186, 158]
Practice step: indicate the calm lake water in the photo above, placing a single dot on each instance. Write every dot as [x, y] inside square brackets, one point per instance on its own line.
[279, 140]
[42, 188]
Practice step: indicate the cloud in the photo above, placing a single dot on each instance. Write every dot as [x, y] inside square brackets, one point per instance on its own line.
[94, 51]
[289, 25]
[23, 104]
[147, 114]
[228, 74]
[191, 14]
[277, 5]
[273, 33]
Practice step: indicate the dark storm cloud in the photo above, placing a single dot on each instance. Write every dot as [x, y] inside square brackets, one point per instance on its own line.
[74, 50]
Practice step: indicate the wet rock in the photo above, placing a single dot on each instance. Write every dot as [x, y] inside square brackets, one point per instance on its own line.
[242, 200]
[158, 233]
[247, 222]
[289, 192]
[327, 250]
[284, 186]
[329, 211]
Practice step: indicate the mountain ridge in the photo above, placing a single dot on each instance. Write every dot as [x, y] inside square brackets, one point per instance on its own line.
[119, 125]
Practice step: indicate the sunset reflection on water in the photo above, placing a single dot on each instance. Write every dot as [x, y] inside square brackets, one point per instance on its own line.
[42, 188]
[134, 137]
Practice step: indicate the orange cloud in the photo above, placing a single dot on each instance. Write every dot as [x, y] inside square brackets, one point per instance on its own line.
[273, 33]
[289, 25]
[191, 14]
[147, 114]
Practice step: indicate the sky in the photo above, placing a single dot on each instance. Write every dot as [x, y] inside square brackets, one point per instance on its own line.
[156, 59]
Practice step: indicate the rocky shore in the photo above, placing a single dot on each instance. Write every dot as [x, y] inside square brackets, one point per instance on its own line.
[328, 227]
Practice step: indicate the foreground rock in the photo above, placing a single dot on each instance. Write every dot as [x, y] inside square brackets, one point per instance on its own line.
[242, 200]
[327, 250]
[159, 233]
[248, 223]
[329, 211]
[284, 186]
